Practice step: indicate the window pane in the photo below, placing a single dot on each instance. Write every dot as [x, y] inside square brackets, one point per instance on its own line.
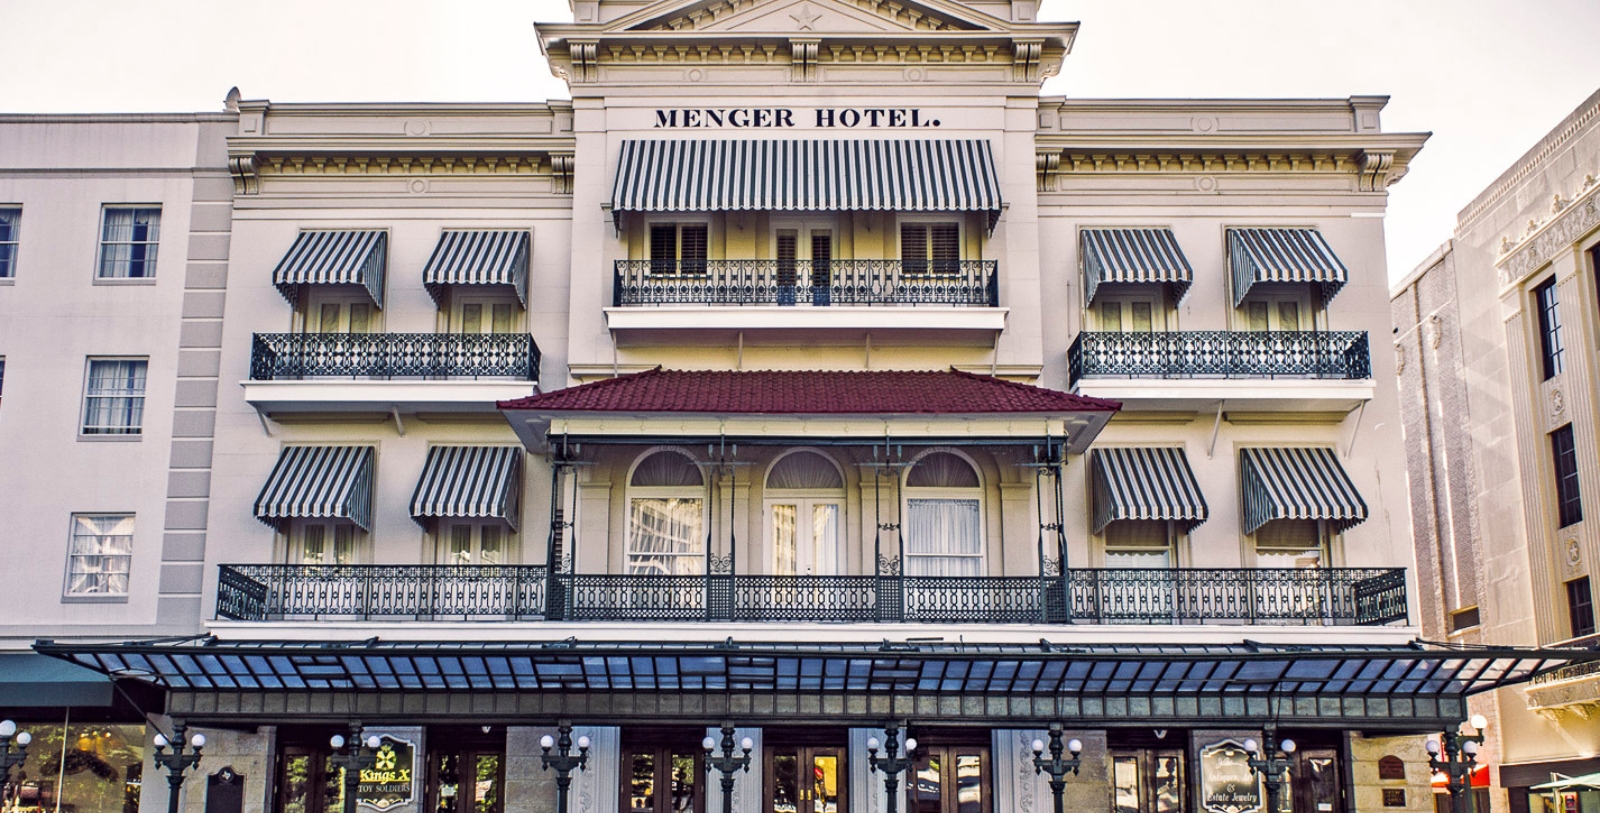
[666, 469]
[927, 787]
[1288, 316]
[1569, 501]
[344, 544]
[489, 547]
[330, 318]
[684, 777]
[942, 470]
[296, 783]
[805, 470]
[1169, 783]
[128, 239]
[1125, 784]
[1580, 607]
[486, 787]
[1111, 316]
[10, 220]
[461, 544]
[1258, 315]
[825, 538]
[642, 785]
[1142, 320]
[360, 317]
[969, 784]
[785, 783]
[783, 540]
[312, 549]
[666, 536]
[825, 783]
[114, 400]
[502, 317]
[1547, 302]
[100, 554]
[472, 318]
[943, 538]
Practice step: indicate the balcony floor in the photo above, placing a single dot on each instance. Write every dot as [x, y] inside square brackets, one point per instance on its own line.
[939, 324]
[1206, 395]
[366, 395]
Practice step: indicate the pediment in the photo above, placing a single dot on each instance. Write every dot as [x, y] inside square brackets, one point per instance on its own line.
[804, 17]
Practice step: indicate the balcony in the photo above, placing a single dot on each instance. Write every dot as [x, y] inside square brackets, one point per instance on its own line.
[400, 372]
[1309, 371]
[1310, 597]
[939, 300]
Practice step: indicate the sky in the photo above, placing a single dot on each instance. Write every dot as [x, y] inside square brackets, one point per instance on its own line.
[1487, 77]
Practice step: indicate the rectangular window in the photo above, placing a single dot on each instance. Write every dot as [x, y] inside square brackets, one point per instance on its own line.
[930, 248]
[113, 401]
[1549, 305]
[10, 224]
[1580, 607]
[128, 239]
[676, 247]
[98, 554]
[1569, 503]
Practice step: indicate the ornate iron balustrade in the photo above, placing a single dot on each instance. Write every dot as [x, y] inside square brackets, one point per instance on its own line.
[1333, 354]
[805, 282]
[389, 592]
[1320, 596]
[394, 355]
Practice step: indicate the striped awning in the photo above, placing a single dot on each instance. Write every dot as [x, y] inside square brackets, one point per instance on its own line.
[319, 482]
[334, 258]
[479, 258]
[807, 176]
[476, 482]
[1283, 255]
[1133, 256]
[1297, 483]
[1146, 483]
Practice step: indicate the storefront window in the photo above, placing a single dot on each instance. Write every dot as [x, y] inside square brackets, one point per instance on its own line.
[81, 767]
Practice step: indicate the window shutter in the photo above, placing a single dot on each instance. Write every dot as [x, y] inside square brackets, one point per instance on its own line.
[944, 243]
[914, 247]
[663, 248]
[692, 248]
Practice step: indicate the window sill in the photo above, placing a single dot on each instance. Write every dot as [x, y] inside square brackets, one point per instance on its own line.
[82, 438]
[124, 280]
[96, 598]
[8, 280]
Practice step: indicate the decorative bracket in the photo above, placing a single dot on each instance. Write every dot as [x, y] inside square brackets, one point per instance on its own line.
[1049, 165]
[1378, 170]
[1025, 60]
[585, 60]
[561, 167]
[246, 178]
[803, 59]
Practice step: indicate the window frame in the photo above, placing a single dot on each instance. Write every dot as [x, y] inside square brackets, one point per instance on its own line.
[444, 541]
[1552, 347]
[294, 552]
[804, 500]
[153, 245]
[977, 494]
[930, 264]
[678, 268]
[1580, 607]
[1564, 471]
[10, 245]
[88, 394]
[634, 493]
[73, 535]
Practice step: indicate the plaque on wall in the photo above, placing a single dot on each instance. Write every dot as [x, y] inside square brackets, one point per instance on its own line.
[391, 780]
[1391, 767]
[1394, 797]
[1226, 783]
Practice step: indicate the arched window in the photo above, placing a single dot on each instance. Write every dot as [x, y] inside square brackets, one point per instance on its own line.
[805, 509]
[944, 523]
[666, 516]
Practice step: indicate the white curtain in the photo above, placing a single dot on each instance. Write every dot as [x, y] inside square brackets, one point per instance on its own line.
[115, 401]
[666, 470]
[805, 470]
[128, 242]
[102, 548]
[667, 536]
[942, 470]
[943, 538]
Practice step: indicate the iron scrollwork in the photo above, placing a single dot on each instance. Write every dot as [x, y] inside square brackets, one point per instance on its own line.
[1323, 354]
[808, 282]
[291, 356]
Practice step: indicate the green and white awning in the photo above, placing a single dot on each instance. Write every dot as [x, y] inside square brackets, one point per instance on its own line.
[334, 258]
[1297, 483]
[480, 257]
[1146, 483]
[319, 482]
[1283, 255]
[807, 176]
[469, 482]
[1133, 256]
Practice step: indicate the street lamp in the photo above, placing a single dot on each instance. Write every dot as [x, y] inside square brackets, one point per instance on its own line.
[353, 761]
[1057, 766]
[890, 763]
[727, 762]
[178, 760]
[1453, 755]
[8, 759]
[1273, 768]
[564, 760]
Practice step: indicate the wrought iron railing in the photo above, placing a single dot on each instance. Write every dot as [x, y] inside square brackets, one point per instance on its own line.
[806, 282]
[394, 355]
[1319, 596]
[1334, 354]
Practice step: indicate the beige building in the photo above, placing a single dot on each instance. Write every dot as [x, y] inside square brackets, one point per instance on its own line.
[1495, 336]
[810, 379]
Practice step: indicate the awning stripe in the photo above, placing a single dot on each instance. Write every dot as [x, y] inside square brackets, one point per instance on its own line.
[1133, 256]
[806, 175]
[478, 482]
[1297, 483]
[333, 258]
[1283, 255]
[1146, 483]
[326, 482]
[479, 257]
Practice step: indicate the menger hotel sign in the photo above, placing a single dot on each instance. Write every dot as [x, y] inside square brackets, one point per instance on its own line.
[780, 118]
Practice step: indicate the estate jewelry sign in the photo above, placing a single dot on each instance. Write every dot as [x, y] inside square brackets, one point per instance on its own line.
[783, 118]
[1226, 783]
[391, 779]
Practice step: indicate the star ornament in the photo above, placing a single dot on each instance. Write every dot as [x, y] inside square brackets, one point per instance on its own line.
[805, 18]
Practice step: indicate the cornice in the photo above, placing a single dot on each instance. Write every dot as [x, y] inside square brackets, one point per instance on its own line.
[1146, 141]
[1298, 105]
[251, 159]
[116, 118]
[1543, 241]
[368, 109]
[1585, 116]
[1377, 161]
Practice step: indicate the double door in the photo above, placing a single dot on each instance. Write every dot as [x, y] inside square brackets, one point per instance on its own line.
[805, 779]
[804, 251]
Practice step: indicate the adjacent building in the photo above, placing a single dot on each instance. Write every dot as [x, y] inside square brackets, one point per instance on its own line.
[1495, 341]
[810, 378]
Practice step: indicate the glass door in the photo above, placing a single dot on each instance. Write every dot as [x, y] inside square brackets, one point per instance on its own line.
[804, 252]
[1316, 782]
[662, 779]
[465, 780]
[949, 779]
[1147, 780]
[804, 536]
[805, 779]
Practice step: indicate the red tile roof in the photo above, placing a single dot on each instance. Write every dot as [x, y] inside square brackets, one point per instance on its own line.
[809, 393]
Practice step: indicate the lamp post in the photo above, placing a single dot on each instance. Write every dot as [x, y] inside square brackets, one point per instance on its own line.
[178, 760]
[1272, 768]
[564, 760]
[891, 763]
[1057, 766]
[1453, 755]
[10, 759]
[726, 762]
[353, 761]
